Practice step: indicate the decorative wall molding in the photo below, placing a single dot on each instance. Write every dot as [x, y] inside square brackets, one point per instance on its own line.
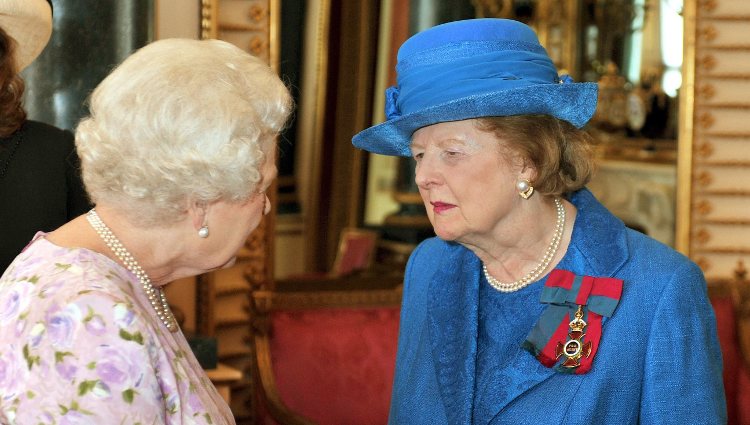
[713, 188]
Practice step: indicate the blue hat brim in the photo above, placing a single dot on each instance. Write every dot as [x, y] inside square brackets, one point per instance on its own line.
[572, 102]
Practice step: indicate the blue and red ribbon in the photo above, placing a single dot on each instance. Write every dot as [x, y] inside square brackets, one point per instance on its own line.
[564, 292]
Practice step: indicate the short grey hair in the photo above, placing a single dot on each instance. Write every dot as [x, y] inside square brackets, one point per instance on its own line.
[180, 120]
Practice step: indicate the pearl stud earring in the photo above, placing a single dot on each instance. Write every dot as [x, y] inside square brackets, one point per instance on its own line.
[524, 188]
[203, 231]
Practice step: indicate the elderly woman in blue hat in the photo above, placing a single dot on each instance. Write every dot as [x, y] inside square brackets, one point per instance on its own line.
[533, 304]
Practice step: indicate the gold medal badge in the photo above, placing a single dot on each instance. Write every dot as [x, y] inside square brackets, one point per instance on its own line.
[574, 348]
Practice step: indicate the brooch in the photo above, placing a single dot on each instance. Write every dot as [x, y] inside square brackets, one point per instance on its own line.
[575, 347]
[569, 330]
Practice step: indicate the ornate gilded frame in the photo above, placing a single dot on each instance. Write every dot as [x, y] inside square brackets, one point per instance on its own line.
[685, 132]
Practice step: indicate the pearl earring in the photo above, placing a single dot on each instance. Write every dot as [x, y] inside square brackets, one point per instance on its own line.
[203, 231]
[524, 188]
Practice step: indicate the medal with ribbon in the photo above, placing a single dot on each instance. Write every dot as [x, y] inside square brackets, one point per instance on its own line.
[569, 330]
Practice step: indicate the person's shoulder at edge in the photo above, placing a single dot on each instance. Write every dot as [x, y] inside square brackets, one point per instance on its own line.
[644, 254]
[425, 260]
[429, 249]
[660, 258]
[47, 132]
[424, 256]
[95, 274]
[45, 142]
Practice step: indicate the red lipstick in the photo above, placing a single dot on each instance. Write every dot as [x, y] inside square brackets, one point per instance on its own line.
[439, 207]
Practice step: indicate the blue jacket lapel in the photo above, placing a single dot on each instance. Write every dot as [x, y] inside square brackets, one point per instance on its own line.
[598, 246]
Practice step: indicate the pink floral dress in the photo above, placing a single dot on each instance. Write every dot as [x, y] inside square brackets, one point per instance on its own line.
[81, 344]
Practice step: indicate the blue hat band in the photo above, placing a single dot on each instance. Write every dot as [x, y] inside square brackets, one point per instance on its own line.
[435, 81]
[458, 51]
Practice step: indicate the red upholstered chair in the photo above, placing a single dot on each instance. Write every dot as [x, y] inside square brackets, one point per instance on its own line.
[356, 252]
[325, 350]
[731, 303]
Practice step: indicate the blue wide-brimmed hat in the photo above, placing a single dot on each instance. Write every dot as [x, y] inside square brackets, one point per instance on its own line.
[471, 69]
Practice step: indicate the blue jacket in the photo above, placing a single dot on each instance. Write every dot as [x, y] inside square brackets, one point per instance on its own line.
[658, 361]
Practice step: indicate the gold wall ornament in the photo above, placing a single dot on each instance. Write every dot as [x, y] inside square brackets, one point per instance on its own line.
[708, 33]
[702, 236]
[707, 62]
[209, 12]
[257, 46]
[704, 263]
[707, 5]
[705, 149]
[706, 120]
[704, 178]
[257, 13]
[740, 272]
[706, 90]
[703, 208]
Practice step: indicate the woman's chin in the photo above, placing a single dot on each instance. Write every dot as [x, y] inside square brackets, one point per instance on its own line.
[230, 262]
[227, 264]
[445, 235]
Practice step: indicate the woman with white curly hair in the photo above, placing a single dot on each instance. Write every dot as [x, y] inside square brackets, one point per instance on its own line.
[176, 154]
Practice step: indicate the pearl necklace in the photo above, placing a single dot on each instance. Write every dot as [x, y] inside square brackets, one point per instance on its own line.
[155, 295]
[18, 137]
[549, 254]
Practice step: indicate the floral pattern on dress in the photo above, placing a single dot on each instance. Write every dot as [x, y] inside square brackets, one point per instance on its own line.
[82, 345]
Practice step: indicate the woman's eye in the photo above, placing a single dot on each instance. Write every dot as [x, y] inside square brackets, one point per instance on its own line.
[418, 156]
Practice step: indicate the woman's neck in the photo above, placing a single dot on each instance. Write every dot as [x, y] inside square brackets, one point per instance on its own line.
[156, 249]
[517, 246]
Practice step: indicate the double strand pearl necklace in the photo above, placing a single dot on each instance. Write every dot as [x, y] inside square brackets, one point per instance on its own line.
[549, 254]
[155, 295]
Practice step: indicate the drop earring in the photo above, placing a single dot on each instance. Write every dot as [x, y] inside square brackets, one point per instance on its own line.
[203, 231]
[525, 189]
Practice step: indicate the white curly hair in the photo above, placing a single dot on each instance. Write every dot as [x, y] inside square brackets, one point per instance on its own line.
[180, 121]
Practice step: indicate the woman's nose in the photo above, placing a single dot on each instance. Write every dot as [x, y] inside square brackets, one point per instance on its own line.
[426, 174]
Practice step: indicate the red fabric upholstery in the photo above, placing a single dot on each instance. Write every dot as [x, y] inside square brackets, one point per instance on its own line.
[736, 374]
[356, 254]
[335, 366]
[743, 397]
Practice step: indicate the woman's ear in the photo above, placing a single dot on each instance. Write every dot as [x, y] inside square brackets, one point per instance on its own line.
[198, 212]
[528, 171]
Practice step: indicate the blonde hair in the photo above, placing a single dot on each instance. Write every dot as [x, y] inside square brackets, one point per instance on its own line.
[180, 120]
[561, 153]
